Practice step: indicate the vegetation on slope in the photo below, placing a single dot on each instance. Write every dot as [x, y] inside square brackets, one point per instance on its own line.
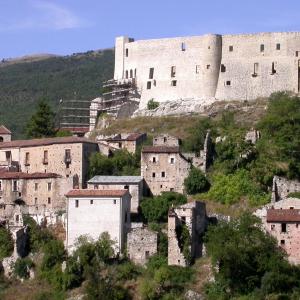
[23, 84]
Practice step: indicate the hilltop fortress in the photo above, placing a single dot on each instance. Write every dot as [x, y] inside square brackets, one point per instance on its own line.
[212, 66]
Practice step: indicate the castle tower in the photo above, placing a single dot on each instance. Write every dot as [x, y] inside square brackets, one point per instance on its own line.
[211, 59]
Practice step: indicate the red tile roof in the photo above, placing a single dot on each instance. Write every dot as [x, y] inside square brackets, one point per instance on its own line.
[160, 149]
[96, 193]
[283, 215]
[45, 142]
[4, 130]
[21, 175]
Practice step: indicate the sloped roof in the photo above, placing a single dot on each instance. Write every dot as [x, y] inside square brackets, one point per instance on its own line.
[22, 175]
[283, 215]
[115, 179]
[96, 193]
[4, 130]
[45, 142]
[160, 149]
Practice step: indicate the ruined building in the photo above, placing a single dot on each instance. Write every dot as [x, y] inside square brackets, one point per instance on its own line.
[212, 66]
[282, 187]
[191, 218]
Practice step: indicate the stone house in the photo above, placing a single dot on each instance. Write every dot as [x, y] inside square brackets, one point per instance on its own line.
[193, 216]
[141, 244]
[163, 169]
[92, 212]
[282, 187]
[284, 225]
[128, 141]
[134, 184]
[5, 134]
[40, 192]
[65, 156]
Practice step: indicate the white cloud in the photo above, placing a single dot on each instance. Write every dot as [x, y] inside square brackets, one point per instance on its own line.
[46, 15]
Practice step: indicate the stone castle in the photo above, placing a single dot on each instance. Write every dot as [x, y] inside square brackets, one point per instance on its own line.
[212, 66]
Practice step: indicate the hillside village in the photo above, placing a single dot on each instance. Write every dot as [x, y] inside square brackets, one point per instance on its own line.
[199, 205]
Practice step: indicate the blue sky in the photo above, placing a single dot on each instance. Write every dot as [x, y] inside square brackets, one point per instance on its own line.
[67, 26]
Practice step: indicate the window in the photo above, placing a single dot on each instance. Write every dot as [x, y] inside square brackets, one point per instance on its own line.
[148, 85]
[95, 186]
[228, 83]
[8, 156]
[126, 74]
[165, 139]
[134, 72]
[173, 82]
[49, 200]
[131, 74]
[230, 48]
[173, 71]
[172, 160]
[297, 53]
[163, 174]
[0, 185]
[272, 227]
[147, 254]
[153, 175]
[273, 69]
[35, 201]
[283, 227]
[27, 159]
[49, 186]
[45, 160]
[76, 203]
[282, 242]
[197, 69]
[91, 201]
[171, 189]
[278, 46]
[183, 47]
[262, 48]
[115, 201]
[67, 156]
[126, 187]
[36, 186]
[255, 69]
[120, 145]
[17, 218]
[223, 68]
[183, 219]
[151, 73]
[291, 207]
[126, 52]
[207, 67]
[154, 159]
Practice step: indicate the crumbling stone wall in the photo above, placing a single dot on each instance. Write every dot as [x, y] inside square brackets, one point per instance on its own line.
[165, 140]
[282, 187]
[141, 244]
[193, 216]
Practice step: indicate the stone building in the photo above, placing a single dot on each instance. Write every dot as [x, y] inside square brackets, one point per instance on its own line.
[128, 141]
[65, 156]
[40, 192]
[252, 136]
[211, 66]
[166, 140]
[193, 216]
[92, 212]
[163, 169]
[5, 134]
[284, 225]
[282, 187]
[134, 184]
[141, 244]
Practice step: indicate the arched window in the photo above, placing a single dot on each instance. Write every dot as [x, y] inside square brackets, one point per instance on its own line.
[131, 74]
[134, 73]
[126, 74]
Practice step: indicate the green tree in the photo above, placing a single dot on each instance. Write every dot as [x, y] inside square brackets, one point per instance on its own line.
[152, 104]
[22, 266]
[41, 123]
[196, 182]
[6, 243]
[245, 255]
[156, 209]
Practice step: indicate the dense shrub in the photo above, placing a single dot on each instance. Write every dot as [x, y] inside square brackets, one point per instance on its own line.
[229, 189]
[156, 209]
[152, 104]
[196, 182]
[6, 243]
[22, 267]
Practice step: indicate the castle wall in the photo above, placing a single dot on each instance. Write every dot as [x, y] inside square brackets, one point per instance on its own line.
[210, 66]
